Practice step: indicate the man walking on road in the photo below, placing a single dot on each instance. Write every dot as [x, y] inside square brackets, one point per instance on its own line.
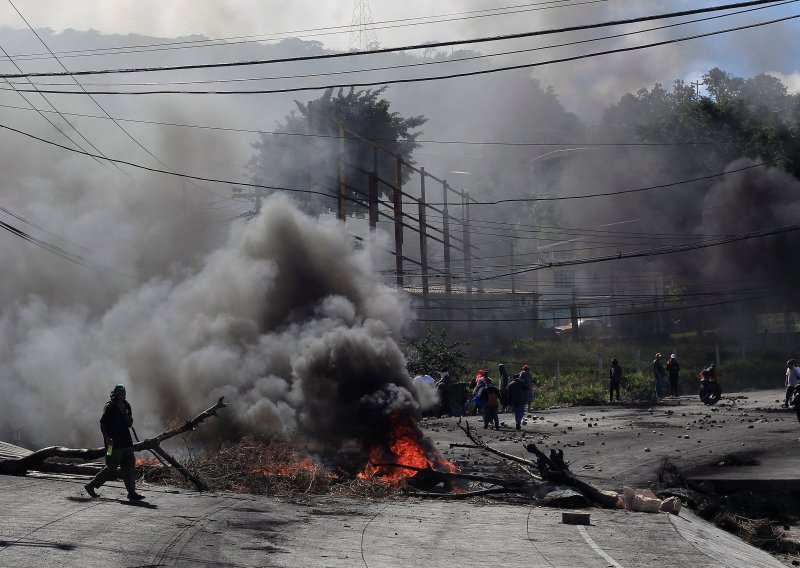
[114, 424]
[527, 379]
[792, 376]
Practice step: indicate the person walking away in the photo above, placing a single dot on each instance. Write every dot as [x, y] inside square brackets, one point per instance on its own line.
[792, 376]
[490, 402]
[114, 424]
[672, 369]
[614, 380]
[443, 386]
[481, 381]
[503, 386]
[658, 375]
[517, 397]
[527, 379]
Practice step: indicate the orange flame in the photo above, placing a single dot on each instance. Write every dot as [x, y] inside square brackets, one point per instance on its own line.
[403, 448]
[152, 462]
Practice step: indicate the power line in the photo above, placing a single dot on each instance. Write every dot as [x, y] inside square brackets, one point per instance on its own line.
[58, 112]
[633, 313]
[652, 252]
[391, 81]
[430, 45]
[418, 64]
[55, 249]
[336, 137]
[97, 104]
[260, 38]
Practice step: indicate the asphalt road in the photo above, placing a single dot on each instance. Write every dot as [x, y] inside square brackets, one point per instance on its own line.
[49, 521]
[616, 445]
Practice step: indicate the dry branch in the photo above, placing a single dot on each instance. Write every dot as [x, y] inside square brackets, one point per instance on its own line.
[481, 445]
[554, 469]
[36, 459]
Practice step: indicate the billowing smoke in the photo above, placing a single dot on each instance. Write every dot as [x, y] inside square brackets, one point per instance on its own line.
[285, 320]
[748, 201]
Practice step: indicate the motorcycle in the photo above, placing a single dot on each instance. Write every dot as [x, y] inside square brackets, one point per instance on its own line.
[710, 391]
[794, 402]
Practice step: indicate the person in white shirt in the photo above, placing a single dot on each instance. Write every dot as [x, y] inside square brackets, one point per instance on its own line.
[792, 375]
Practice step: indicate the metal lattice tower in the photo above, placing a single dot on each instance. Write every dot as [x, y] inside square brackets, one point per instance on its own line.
[362, 30]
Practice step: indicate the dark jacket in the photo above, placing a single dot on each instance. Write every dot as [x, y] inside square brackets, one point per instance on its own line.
[115, 424]
[517, 392]
[615, 375]
[673, 368]
[658, 368]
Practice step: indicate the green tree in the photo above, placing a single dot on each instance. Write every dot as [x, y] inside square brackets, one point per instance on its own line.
[283, 159]
[435, 351]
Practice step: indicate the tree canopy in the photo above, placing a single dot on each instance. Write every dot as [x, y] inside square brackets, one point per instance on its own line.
[283, 159]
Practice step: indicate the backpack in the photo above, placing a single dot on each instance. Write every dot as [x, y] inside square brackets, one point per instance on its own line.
[491, 397]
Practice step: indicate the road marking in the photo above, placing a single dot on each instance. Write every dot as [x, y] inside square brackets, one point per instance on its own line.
[597, 549]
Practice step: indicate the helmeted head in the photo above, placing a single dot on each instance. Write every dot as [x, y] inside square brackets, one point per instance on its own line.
[658, 355]
[791, 363]
[614, 362]
[525, 368]
[119, 391]
[673, 356]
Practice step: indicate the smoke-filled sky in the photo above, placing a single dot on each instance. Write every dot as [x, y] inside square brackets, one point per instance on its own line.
[184, 303]
[745, 52]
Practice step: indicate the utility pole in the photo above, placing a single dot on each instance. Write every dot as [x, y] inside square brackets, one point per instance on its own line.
[448, 275]
[696, 85]
[341, 214]
[423, 242]
[511, 264]
[312, 197]
[467, 257]
[398, 222]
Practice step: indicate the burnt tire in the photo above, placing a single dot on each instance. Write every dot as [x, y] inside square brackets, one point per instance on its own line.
[712, 395]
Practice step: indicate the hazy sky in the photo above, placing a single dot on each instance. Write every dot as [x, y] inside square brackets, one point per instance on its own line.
[750, 52]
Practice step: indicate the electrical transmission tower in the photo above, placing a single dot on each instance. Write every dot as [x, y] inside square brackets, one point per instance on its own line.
[362, 30]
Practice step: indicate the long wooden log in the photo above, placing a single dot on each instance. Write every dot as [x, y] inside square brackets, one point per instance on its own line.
[448, 475]
[463, 495]
[553, 468]
[22, 465]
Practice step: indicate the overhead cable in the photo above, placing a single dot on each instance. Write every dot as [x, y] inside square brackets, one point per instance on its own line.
[425, 45]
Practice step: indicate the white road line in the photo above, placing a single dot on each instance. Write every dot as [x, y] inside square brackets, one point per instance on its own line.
[597, 549]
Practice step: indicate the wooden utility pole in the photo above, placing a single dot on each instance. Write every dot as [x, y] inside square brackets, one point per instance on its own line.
[465, 225]
[398, 222]
[340, 210]
[448, 274]
[313, 199]
[423, 242]
[511, 263]
[373, 193]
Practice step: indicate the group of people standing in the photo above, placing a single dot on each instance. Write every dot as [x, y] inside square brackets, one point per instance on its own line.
[512, 394]
[660, 371]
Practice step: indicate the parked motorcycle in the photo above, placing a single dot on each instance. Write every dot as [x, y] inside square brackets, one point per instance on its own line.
[710, 391]
[794, 402]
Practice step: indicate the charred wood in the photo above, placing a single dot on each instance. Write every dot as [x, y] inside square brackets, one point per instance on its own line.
[35, 460]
